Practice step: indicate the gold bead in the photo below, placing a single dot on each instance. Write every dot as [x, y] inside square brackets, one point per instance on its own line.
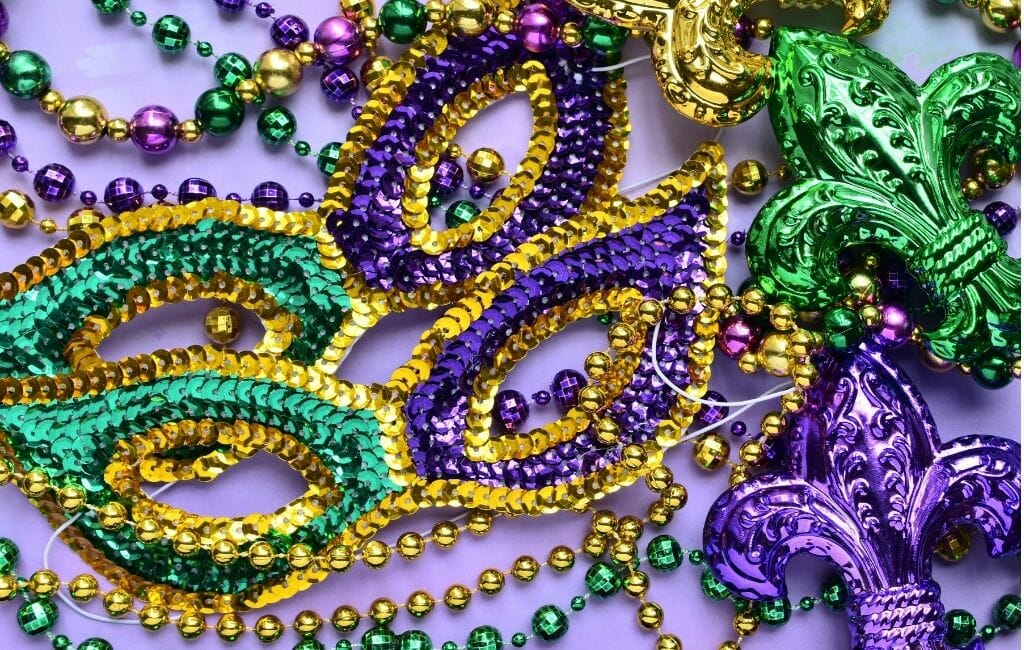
[972, 188]
[457, 597]
[863, 286]
[468, 17]
[82, 120]
[783, 317]
[419, 604]
[623, 552]
[636, 584]
[870, 315]
[261, 554]
[278, 72]
[525, 568]
[5, 53]
[372, 72]
[44, 582]
[51, 102]
[191, 624]
[83, 217]
[651, 311]
[435, 11]
[376, 554]
[747, 363]
[1000, 16]
[299, 556]
[16, 209]
[772, 425]
[752, 301]
[571, 34]
[668, 642]
[606, 431]
[370, 28]
[749, 177]
[711, 451]
[604, 522]
[444, 534]
[112, 515]
[804, 374]
[728, 645]
[773, 354]
[230, 626]
[675, 496]
[630, 528]
[355, 10]
[8, 587]
[591, 399]
[594, 545]
[719, 296]
[188, 131]
[185, 542]
[597, 364]
[383, 611]
[752, 452]
[48, 226]
[491, 581]
[248, 90]
[6, 471]
[153, 617]
[306, 52]
[35, 483]
[561, 558]
[485, 165]
[682, 300]
[792, 401]
[505, 22]
[659, 514]
[345, 618]
[117, 602]
[650, 616]
[224, 552]
[480, 522]
[268, 628]
[763, 28]
[222, 324]
[745, 623]
[934, 362]
[633, 456]
[119, 131]
[954, 545]
[659, 478]
[84, 587]
[410, 545]
[801, 343]
[621, 335]
[71, 497]
[739, 474]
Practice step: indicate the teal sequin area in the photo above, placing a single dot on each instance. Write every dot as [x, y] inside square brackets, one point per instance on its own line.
[74, 440]
[36, 324]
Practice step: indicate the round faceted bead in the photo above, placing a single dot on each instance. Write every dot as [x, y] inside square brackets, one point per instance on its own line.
[230, 627]
[231, 69]
[16, 211]
[288, 31]
[712, 587]
[549, 623]
[154, 129]
[447, 179]
[519, 639]
[376, 554]
[153, 617]
[843, 328]
[414, 640]
[383, 611]
[19, 164]
[171, 33]
[43, 582]
[537, 27]
[138, 18]
[339, 85]
[485, 165]
[749, 177]
[37, 616]
[53, 182]
[195, 189]
[191, 625]
[738, 336]
[510, 409]
[566, 387]
[110, 7]
[306, 199]
[960, 627]
[307, 623]
[664, 553]
[484, 637]
[278, 72]
[82, 120]
[603, 37]
[270, 194]
[8, 587]
[9, 554]
[449, 645]
[204, 49]
[1007, 611]
[327, 159]
[343, 644]
[83, 587]
[954, 544]
[775, 611]
[25, 75]
[833, 593]
[578, 603]
[339, 40]
[668, 642]
[460, 213]
[401, 21]
[987, 633]
[60, 642]
[1003, 217]
[8, 136]
[603, 580]
[220, 111]
[345, 618]
[444, 534]
[807, 603]
[468, 17]
[410, 545]
[123, 195]
[379, 638]
[308, 644]
[94, 643]
[711, 451]
[276, 125]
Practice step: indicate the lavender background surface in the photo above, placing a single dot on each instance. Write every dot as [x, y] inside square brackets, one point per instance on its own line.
[117, 63]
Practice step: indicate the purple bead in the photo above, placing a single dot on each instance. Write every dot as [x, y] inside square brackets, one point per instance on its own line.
[1016, 55]
[537, 27]
[264, 10]
[566, 387]
[743, 30]
[230, 6]
[288, 31]
[153, 129]
[123, 194]
[895, 328]
[738, 428]
[447, 178]
[339, 85]
[1002, 216]
[195, 189]
[356, 112]
[19, 164]
[541, 397]
[53, 182]
[510, 410]
[270, 194]
[5, 20]
[895, 280]
[88, 198]
[738, 336]
[477, 191]
[306, 199]
[234, 196]
[738, 238]
[710, 414]
[159, 192]
[339, 40]
[8, 138]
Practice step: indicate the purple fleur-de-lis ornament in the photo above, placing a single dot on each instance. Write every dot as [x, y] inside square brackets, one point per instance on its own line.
[871, 488]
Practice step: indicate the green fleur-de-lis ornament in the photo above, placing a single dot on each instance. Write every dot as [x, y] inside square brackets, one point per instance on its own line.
[876, 161]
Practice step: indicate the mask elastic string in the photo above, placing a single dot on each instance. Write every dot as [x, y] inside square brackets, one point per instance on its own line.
[623, 64]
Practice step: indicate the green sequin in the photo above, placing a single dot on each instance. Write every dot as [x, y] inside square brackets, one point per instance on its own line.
[664, 553]
[484, 637]
[549, 623]
[37, 616]
[603, 580]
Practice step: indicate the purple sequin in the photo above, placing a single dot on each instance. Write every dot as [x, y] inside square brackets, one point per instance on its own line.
[288, 31]
[53, 182]
[510, 410]
[195, 189]
[566, 387]
[270, 194]
[123, 194]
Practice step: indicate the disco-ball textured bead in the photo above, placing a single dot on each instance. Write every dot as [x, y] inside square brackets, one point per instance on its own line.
[549, 623]
[379, 638]
[16, 212]
[195, 189]
[447, 179]
[231, 6]
[460, 213]
[665, 554]
[1003, 217]
[232, 68]
[276, 125]
[511, 410]
[288, 31]
[603, 580]
[8, 136]
[171, 33]
[270, 194]
[566, 387]
[9, 554]
[123, 194]
[711, 414]
[53, 182]
[339, 85]
[38, 616]
[484, 637]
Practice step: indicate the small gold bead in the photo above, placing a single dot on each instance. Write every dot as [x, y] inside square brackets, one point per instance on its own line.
[728, 645]
[745, 623]
[51, 101]
[668, 642]
[480, 522]
[597, 364]
[383, 611]
[675, 496]
[372, 72]
[376, 554]
[6, 471]
[118, 130]
[659, 478]
[623, 552]
[752, 452]
[571, 34]
[71, 497]
[82, 120]
[261, 554]
[468, 17]
[354, 10]
[370, 27]
[634, 456]
[230, 626]
[773, 354]
[630, 528]
[112, 515]
[153, 617]
[224, 552]
[84, 587]
[749, 177]
[561, 558]
[223, 324]
[269, 628]
[299, 556]
[804, 374]
[863, 286]
[651, 311]
[711, 451]
[747, 363]
[454, 151]
[8, 587]
[188, 131]
[604, 522]
[339, 558]
[763, 28]
[248, 90]
[435, 11]
[792, 401]
[870, 315]
[485, 165]
[739, 474]
[954, 545]
[83, 217]
[607, 431]
[306, 52]
[185, 542]
[752, 301]
[525, 568]
[117, 602]
[972, 188]
[278, 72]
[148, 530]
[650, 616]
[659, 514]
[491, 581]
[5, 53]
[48, 226]
[594, 545]
[621, 335]
[44, 582]
[505, 22]
[345, 618]
[457, 597]
[636, 584]
[35, 483]
[783, 317]
[191, 624]
[419, 604]
[719, 296]
[682, 300]
[772, 425]
[411, 545]
[591, 399]
[444, 534]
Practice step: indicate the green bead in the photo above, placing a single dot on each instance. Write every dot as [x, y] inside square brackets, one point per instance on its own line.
[401, 21]
[37, 616]
[484, 637]
[603, 580]
[327, 159]
[110, 7]
[519, 640]
[843, 328]
[664, 553]
[308, 644]
[993, 370]
[9, 555]
[578, 603]
[138, 18]
[26, 75]
[988, 633]
[414, 640]
[807, 603]
[549, 623]
[344, 644]
[449, 645]
[220, 111]
[833, 593]
[460, 212]
[171, 33]
[204, 49]
[379, 638]
[960, 627]
[602, 36]
[276, 125]
[606, 318]
[696, 558]
[302, 148]
[1007, 611]
[60, 642]
[775, 611]
[712, 586]
[232, 68]
[95, 643]
[741, 604]
[433, 201]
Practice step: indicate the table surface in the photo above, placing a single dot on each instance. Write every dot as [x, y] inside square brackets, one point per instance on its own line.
[113, 61]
